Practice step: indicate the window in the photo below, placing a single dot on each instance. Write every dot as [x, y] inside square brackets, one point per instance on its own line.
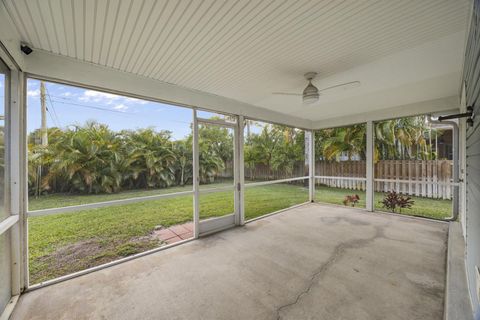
[413, 164]
[340, 165]
[109, 176]
[276, 170]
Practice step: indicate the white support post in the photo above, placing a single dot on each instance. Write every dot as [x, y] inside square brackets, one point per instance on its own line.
[311, 165]
[196, 179]
[24, 184]
[370, 155]
[241, 171]
[15, 136]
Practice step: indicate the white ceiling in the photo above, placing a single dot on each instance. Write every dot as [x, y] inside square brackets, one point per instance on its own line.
[401, 51]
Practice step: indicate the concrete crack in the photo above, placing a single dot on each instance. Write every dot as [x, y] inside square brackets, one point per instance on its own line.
[337, 252]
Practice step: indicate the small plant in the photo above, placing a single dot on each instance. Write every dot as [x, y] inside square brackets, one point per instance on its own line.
[394, 200]
[351, 200]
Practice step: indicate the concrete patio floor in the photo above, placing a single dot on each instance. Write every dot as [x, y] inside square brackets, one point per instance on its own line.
[311, 262]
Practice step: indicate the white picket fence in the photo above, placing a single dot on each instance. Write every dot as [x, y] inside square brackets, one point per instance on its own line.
[423, 178]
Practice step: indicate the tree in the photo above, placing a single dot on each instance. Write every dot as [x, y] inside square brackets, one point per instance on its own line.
[332, 143]
[404, 138]
[276, 147]
[184, 165]
[87, 159]
[151, 158]
[215, 151]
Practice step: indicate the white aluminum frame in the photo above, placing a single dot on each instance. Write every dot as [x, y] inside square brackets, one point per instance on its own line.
[370, 178]
[23, 200]
[215, 224]
[310, 177]
[239, 184]
[7, 223]
[241, 172]
[101, 204]
[341, 178]
[12, 173]
[311, 165]
[369, 200]
[264, 183]
[238, 143]
[421, 182]
[370, 194]
[195, 176]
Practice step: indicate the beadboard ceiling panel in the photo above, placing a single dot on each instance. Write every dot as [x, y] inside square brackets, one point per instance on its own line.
[245, 50]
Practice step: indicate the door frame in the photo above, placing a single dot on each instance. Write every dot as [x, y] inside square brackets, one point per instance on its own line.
[216, 224]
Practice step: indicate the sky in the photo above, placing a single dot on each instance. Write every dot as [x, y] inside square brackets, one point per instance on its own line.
[69, 105]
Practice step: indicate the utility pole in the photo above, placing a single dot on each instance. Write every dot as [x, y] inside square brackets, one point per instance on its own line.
[43, 132]
[43, 104]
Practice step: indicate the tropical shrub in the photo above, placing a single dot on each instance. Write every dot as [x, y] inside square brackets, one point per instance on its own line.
[95, 159]
[394, 200]
[92, 158]
[151, 158]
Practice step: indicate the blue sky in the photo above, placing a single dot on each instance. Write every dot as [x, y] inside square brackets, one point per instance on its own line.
[69, 105]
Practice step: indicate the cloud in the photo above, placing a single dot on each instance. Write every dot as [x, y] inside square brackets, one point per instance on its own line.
[96, 96]
[108, 98]
[120, 107]
[33, 93]
[92, 93]
[135, 100]
[99, 97]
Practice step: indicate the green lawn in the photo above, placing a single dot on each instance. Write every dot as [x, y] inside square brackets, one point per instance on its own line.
[432, 208]
[60, 244]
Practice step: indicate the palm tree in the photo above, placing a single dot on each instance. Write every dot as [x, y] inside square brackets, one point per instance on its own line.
[151, 156]
[337, 141]
[402, 138]
[184, 166]
[88, 159]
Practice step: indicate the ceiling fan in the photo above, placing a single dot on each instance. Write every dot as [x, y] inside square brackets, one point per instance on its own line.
[311, 93]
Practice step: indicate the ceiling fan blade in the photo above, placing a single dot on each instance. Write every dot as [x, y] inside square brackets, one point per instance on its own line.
[340, 87]
[287, 94]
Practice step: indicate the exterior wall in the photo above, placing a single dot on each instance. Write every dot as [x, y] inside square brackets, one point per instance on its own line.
[472, 218]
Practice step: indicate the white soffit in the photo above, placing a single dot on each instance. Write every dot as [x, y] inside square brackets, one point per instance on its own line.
[402, 51]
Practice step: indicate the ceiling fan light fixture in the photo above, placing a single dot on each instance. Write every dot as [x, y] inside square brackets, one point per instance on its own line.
[310, 94]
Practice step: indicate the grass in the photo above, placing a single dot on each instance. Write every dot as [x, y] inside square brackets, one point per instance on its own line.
[64, 243]
[425, 207]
